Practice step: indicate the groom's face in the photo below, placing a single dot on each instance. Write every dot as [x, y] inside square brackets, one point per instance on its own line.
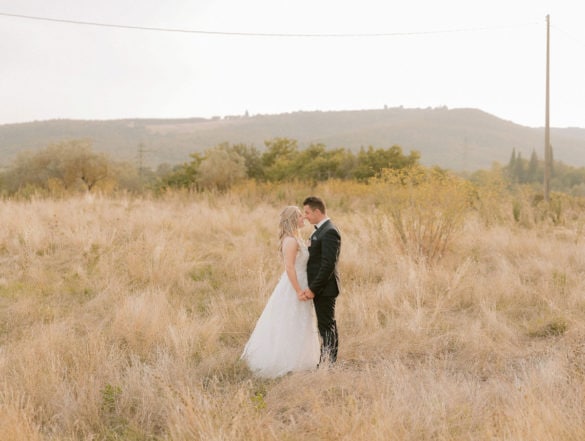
[313, 216]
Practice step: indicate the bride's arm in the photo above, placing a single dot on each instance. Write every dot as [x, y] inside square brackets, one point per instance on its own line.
[290, 249]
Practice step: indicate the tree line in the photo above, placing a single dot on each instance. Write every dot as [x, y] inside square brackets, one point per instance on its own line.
[564, 178]
[66, 167]
[282, 160]
[73, 166]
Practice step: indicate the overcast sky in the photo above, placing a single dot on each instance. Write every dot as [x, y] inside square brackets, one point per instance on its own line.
[482, 54]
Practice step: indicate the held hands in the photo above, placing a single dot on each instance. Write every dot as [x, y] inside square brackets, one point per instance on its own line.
[307, 294]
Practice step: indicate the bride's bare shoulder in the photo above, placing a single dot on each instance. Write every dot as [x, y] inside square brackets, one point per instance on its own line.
[290, 242]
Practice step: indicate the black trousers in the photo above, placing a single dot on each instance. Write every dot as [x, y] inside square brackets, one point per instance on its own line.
[325, 309]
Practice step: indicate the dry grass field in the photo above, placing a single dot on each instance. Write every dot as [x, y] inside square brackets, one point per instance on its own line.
[124, 318]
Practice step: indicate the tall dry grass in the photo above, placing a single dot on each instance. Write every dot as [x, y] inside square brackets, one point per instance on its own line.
[124, 319]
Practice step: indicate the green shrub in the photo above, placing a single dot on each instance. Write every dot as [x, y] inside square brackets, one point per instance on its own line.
[427, 207]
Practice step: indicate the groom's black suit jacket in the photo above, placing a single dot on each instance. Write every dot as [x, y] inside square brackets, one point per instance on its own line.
[323, 256]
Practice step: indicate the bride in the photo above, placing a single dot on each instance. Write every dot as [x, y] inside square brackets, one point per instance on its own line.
[286, 337]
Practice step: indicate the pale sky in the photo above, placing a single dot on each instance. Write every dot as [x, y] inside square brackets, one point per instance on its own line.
[488, 55]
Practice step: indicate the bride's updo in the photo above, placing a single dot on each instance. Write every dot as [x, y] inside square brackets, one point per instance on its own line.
[288, 225]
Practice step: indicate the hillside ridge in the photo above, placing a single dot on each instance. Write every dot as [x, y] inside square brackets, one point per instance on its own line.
[457, 139]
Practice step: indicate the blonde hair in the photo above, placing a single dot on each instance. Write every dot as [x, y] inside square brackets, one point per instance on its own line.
[288, 225]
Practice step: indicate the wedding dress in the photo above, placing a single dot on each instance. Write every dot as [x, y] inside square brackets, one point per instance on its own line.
[286, 337]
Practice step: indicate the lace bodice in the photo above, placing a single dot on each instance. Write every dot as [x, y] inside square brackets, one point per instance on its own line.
[302, 258]
[301, 263]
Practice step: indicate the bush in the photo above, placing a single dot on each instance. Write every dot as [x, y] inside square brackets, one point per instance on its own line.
[426, 206]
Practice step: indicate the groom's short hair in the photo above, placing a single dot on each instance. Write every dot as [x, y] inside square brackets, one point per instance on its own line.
[316, 203]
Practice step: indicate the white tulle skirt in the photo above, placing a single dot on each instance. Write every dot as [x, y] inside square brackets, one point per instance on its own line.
[286, 338]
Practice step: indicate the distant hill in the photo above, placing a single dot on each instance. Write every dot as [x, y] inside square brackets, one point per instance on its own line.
[458, 139]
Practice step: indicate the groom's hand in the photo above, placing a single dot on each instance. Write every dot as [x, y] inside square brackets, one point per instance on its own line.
[309, 294]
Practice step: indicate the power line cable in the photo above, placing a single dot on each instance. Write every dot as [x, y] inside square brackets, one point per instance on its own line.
[567, 34]
[265, 34]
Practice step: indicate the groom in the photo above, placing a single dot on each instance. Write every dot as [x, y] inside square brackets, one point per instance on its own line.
[324, 248]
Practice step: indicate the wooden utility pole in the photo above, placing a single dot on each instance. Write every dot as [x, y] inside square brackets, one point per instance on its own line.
[547, 147]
